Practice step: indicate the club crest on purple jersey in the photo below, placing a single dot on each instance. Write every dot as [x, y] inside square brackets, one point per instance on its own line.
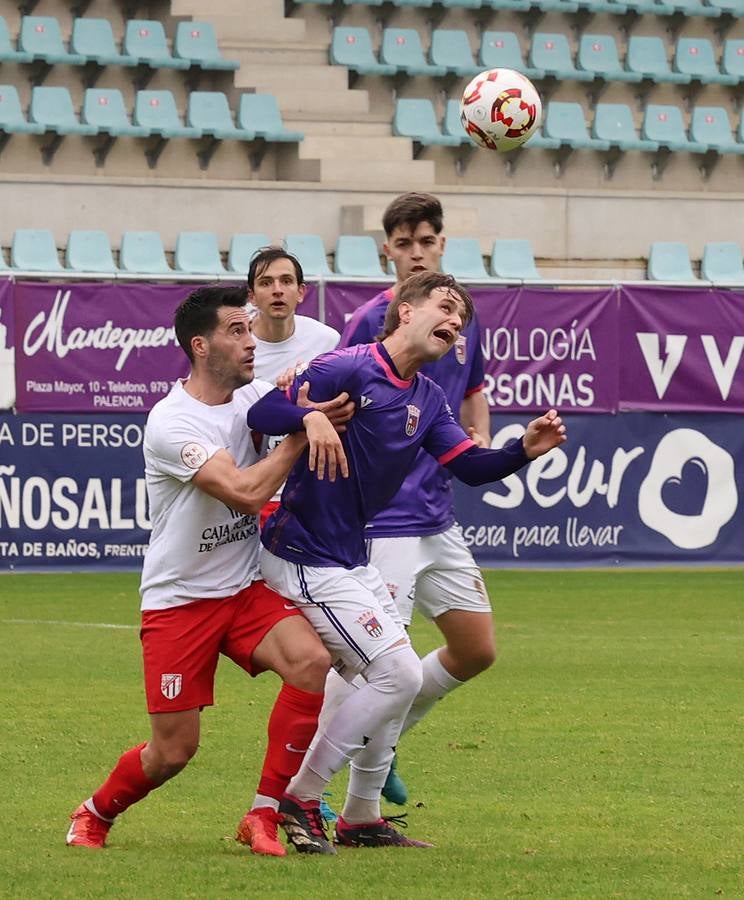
[170, 685]
[414, 414]
[370, 624]
[461, 349]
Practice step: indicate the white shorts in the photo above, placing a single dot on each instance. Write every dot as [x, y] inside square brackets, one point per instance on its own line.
[436, 574]
[351, 609]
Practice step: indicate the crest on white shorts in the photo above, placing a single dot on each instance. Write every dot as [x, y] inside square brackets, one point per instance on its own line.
[414, 414]
[370, 623]
[461, 349]
[170, 685]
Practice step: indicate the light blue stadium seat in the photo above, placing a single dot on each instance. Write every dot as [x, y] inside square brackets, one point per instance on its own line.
[450, 48]
[52, 107]
[722, 262]
[551, 54]
[11, 113]
[104, 109]
[41, 38]
[648, 8]
[452, 124]
[197, 252]
[732, 59]
[352, 47]
[669, 261]
[142, 253]
[538, 141]
[309, 249]
[695, 57]
[364, 2]
[598, 54]
[710, 125]
[358, 255]
[461, 4]
[732, 7]
[513, 258]
[34, 250]
[648, 57]
[691, 8]
[518, 5]
[260, 113]
[243, 247]
[565, 122]
[196, 43]
[156, 111]
[89, 251]
[93, 39]
[421, 3]
[463, 259]
[562, 6]
[210, 112]
[603, 6]
[501, 50]
[8, 53]
[401, 47]
[415, 119]
[613, 122]
[664, 125]
[144, 39]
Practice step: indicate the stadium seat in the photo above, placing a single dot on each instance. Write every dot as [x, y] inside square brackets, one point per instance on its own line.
[197, 252]
[732, 59]
[501, 50]
[144, 39]
[513, 258]
[613, 122]
[34, 250]
[93, 39]
[562, 6]
[242, 249]
[452, 124]
[358, 255]
[648, 57]
[12, 119]
[598, 54]
[451, 49]
[415, 119]
[669, 261]
[732, 7]
[462, 258]
[7, 52]
[401, 47]
[52, 107]
[551, 54]
[196, 43]
[604, 6]
[664, 125]
[565, 122]
[141, 252]
[647, 8]
[89, 251]
[710, 126]
[352, 47]
[695, 57]
[309, 249]
[538, 141]
[105, 110]
[421, 3]
[210, 112]
[260, 113]
[41, 38]
[156, 111]
[691, 8]
[722, 262]
[461, 4]
[518, 5]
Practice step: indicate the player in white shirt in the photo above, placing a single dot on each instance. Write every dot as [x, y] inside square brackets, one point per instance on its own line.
[202, 593]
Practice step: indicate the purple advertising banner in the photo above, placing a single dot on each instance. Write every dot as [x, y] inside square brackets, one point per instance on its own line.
[681, 349]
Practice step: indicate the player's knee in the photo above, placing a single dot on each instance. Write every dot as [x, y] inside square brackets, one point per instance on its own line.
[398, 671]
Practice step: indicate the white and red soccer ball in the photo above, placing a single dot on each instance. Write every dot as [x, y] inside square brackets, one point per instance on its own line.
[500, 109]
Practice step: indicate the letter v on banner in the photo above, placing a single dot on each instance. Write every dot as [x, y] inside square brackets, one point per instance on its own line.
[722, 371]
[661, 371]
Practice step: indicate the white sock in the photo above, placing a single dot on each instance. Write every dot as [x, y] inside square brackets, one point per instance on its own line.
[437, 683]
[261, 800]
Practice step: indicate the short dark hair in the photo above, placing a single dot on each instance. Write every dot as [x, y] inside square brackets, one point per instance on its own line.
[197, 314]
[410, 210]
[263, 258]
[416, 289]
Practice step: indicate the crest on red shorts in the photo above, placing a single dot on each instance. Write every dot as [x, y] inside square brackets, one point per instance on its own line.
[170, 685]
[414, 414]
[461, 349]
[370, 624]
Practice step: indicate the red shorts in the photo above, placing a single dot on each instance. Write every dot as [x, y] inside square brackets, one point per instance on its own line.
[181, 645]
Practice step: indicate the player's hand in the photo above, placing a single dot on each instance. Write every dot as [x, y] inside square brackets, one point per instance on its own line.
[326, 449]
[478, 439]
[286, 378]
[543, 434]
[338, 411]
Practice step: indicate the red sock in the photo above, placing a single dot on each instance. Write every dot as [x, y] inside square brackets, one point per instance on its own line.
[126, 784]
[292, 724]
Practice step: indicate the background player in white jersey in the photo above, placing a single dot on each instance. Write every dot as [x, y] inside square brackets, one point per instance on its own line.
[201, 590]
[276, 287]
[315, 549]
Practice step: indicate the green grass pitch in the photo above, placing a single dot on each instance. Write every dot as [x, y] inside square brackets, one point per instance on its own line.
[600, 757]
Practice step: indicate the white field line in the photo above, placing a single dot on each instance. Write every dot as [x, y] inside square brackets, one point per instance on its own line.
[72, 624]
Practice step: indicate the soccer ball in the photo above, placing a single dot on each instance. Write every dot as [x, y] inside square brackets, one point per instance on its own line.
[500, 109]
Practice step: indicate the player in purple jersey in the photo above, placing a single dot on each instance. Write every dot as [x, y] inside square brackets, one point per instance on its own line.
[314, 544]
[415, 542]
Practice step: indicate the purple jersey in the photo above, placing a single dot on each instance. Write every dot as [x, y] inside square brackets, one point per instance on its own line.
[322, 523]
[424, 503]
